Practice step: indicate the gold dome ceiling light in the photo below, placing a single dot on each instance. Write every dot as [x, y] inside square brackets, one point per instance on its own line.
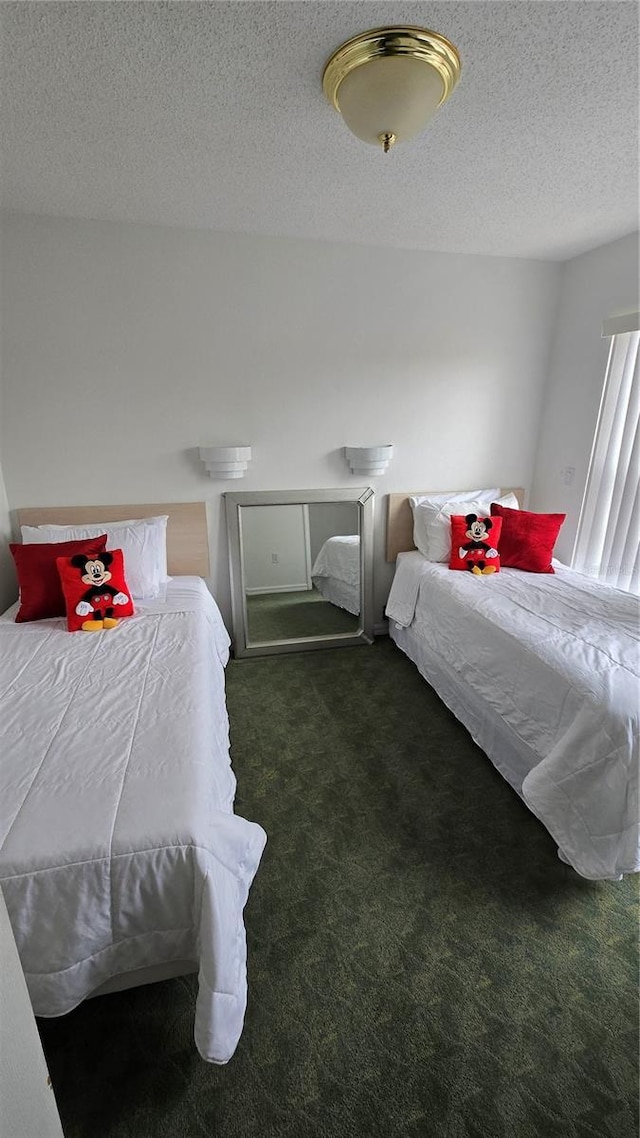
[387, 83]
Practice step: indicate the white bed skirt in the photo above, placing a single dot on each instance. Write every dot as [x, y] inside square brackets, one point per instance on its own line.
[507, 752]
[510, 756]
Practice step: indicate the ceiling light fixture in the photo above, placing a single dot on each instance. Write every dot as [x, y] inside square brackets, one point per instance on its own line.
[387, 83]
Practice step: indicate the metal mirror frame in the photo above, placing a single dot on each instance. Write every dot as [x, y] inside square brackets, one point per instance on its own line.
[361, 496]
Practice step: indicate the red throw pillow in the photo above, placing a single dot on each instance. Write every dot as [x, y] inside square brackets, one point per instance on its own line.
[95, 590]
[527, 539]
[41, 593]
[474, 544]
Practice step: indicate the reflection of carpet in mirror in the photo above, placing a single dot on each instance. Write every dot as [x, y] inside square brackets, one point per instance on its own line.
[290, 616]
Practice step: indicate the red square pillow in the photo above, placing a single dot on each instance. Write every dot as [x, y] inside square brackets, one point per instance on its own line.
[474, 544]
[95, 590]
[527, 539]
[41, 593]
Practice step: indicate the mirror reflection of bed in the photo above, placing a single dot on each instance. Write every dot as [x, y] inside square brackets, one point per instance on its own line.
[302, 570]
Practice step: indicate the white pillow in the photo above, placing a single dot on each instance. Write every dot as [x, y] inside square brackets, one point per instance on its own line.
[457, 496]
[435, 500]
[143, 542]
[432, 520]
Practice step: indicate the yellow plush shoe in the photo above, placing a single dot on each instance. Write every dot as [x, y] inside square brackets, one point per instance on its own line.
[477, 570]
[487, 569]
[92, 625]
[110, 622]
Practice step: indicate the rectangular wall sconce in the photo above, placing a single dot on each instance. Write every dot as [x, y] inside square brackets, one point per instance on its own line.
[226, 462]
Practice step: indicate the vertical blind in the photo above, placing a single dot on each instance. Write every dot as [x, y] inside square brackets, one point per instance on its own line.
[608, 538]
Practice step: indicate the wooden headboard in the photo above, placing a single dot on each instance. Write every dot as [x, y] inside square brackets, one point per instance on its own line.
[400, 518]
[187, 535]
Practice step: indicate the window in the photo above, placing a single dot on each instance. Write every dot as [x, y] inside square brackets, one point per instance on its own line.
[608, 539]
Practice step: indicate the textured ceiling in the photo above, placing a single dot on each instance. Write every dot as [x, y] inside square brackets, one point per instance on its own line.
[211, 115]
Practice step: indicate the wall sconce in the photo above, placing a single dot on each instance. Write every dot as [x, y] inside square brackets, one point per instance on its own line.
[388, 82]
[368, 460]
[226, 462]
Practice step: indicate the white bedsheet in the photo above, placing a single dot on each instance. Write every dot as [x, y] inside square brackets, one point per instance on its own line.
[336, 572]
[556, 657]
[119, 848]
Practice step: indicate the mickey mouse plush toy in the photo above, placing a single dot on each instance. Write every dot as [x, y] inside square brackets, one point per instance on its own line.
[98, 602]
[477, 548]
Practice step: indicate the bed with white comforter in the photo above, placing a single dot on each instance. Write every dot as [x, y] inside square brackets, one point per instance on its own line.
[336, 572]
[543, 670]
[119, 848]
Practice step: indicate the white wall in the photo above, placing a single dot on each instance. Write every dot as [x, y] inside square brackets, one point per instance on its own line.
[595, 285]
[8, 583]
[128, 346]
[27, 1104]
[274, 548]
[331, 519]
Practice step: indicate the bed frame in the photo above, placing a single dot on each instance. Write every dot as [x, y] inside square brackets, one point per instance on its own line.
[400, 518]
[187, 535]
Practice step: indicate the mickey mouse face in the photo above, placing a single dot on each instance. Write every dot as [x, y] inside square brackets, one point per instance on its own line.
[94, 570]
[96, 573]
[478, 527]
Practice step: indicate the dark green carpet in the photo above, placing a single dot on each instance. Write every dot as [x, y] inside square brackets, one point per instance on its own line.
[292, 616]
[421, 964]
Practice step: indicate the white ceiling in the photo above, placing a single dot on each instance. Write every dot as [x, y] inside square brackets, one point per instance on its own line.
[212, 115]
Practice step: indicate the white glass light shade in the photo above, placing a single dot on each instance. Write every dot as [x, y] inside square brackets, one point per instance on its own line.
[394, 95]
[368, 460]
[388, 82]
[226, 462]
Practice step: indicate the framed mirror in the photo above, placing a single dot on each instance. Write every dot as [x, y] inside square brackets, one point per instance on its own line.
[301, 569]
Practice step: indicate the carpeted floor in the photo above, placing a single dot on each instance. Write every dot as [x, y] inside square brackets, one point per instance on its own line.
[282, 616]
[421, 964]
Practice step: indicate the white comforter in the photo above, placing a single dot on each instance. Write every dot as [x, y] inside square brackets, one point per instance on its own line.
[557, 657]
[336, 571]
[119, 848]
